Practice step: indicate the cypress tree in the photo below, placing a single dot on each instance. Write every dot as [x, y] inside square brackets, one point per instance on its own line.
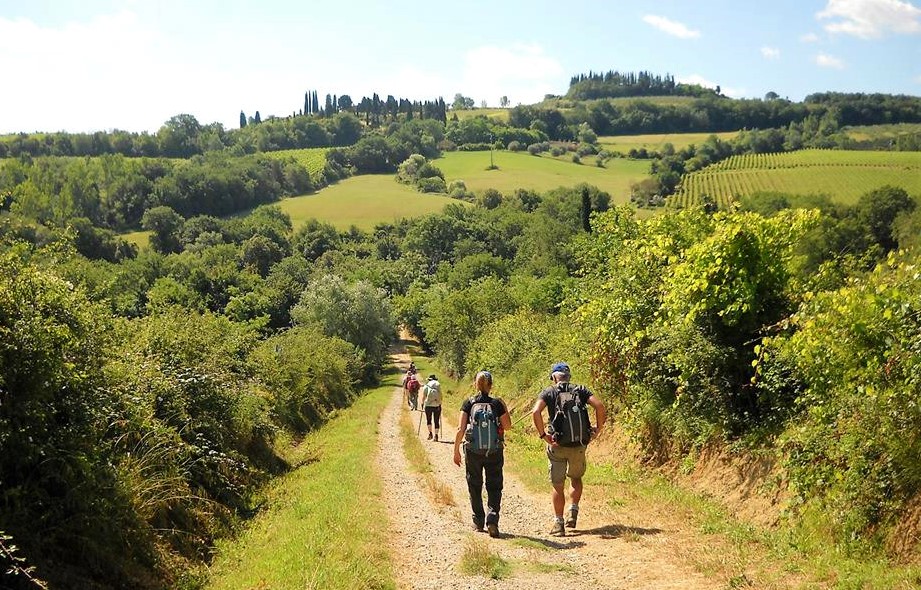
[242, 120]
[586, 210]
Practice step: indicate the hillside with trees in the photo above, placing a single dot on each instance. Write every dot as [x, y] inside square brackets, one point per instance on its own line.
[147, 397]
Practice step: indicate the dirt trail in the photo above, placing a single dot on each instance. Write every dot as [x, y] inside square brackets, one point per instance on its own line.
[608, 550]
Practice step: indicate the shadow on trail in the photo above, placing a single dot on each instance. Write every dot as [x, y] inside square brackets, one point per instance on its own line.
[552, 544]
[614, 531]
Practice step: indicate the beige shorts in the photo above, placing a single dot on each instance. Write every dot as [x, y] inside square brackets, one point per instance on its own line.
[565, 462]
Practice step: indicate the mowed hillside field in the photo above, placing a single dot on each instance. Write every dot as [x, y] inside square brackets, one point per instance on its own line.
[655, 141]
[363, 201]
[843, 175]
[540, 173]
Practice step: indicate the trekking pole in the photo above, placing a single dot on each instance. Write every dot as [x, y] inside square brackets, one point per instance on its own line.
[419, 428]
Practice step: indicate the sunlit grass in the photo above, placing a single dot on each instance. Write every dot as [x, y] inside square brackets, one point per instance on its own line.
[325, 526]
[363, 201]
[478, 560]
[655, 141]
[540, 173]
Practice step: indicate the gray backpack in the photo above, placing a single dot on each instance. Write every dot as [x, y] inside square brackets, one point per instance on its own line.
[570, 424]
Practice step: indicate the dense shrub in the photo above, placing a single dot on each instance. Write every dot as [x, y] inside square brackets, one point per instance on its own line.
[675, 305]
[854, 358]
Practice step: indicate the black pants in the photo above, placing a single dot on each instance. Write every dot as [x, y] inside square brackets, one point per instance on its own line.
[433, 412]
[476, 465]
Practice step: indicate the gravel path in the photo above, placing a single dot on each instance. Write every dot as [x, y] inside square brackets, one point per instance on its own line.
[428, 539]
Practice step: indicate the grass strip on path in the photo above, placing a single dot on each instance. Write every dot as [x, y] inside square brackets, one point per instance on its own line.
[419, 459]
[325, 525]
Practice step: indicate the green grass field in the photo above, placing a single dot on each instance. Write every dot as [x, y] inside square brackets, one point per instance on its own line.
[497, 114]
[140, 238]
[844, 175]
[363, 201]
[655, 141]
[540, 173]
[865, 132]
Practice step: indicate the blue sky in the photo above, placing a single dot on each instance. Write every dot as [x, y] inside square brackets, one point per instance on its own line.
[88, 65]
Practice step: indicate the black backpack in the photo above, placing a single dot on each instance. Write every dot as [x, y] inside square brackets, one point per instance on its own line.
[570, 425]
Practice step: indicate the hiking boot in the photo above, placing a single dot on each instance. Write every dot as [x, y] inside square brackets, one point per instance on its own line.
[436, 438]
[572, 518]
[493, 530]
[558, 530]
[430, 437]
[478, 527]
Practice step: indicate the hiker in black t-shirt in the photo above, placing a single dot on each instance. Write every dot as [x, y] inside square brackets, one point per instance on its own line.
[567, 436]
[482, 424]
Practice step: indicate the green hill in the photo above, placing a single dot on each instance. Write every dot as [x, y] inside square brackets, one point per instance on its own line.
[363, 201]
[540, 173]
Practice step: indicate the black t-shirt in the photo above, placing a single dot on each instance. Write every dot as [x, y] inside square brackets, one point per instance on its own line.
[498, 408]
[549, 396]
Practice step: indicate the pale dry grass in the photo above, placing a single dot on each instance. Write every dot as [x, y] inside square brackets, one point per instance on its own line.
[419, 461]
[479, 560]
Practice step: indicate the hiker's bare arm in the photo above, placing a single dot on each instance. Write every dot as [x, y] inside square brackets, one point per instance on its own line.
[505, 420]
[459, 436]
[537, 415]
[601, 414]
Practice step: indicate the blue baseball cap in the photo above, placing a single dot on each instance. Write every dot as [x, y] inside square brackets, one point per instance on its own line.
[559, 368]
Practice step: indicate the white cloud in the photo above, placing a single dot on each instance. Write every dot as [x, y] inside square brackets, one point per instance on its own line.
[700, 80]
[828, 61]
[809, 38]
[523, 72]
[870, 19]
[111, 71]
[770, 53]
[671, 27]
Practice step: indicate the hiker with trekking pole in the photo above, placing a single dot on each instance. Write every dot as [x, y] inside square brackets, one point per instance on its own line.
[481, 428]
[431, 405]
[567, 436]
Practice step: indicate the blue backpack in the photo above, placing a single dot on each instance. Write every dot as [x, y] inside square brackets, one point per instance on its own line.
[483, 429]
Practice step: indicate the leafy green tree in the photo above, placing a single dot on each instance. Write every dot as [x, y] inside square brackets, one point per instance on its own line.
[462, 102]
[178, 137]
[878, 209]
[165, 225]
[452, 322]
[315, 238]
[260, 253]
[358, 313]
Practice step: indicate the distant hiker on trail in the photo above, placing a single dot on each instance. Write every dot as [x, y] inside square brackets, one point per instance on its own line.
[567, 435]
[431, 402]
[412, 389]
[481, 427]
[404, 382]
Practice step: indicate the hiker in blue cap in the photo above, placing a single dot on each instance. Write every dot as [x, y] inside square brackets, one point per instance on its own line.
[567, 434]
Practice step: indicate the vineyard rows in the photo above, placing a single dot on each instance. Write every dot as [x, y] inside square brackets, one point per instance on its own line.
[844, 175]
[314, 159]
